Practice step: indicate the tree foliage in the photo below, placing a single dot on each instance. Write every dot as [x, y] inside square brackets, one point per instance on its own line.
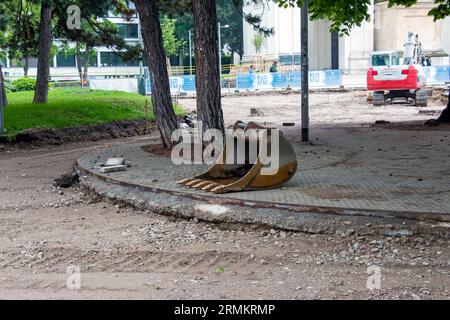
[171, 43]
[440, 11]
[258, 41]
[228, 14]
[342, 14]
[346, 14]
[20, 22]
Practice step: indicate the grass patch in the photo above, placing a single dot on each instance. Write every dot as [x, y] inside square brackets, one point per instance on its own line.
[71, 107]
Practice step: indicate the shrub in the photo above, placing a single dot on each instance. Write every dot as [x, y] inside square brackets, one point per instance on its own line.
[24, 84]
[9, 87]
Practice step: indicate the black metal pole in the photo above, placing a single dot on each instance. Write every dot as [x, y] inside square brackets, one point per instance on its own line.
[305, 71]
[2, 100]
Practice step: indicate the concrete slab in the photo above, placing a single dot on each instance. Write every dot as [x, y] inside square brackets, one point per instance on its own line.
[347, 172]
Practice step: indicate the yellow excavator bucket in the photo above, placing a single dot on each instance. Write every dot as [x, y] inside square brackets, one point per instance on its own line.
[273, 164]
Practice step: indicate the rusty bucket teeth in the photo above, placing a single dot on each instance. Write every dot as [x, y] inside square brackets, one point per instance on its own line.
[201, 184]
[218, 189]
[184, 181]
[209, 186]
[192, 182]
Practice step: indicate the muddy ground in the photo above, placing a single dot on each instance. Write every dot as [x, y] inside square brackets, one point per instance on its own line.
[123, 253]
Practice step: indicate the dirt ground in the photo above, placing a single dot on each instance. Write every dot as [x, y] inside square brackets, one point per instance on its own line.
[326, 109]
[47, 233]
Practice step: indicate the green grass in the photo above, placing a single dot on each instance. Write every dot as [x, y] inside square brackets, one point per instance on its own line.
[70, 107]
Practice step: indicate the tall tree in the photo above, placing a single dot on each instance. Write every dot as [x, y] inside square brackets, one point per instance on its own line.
[45, 43]
[204, 12]
[3, 25]
[22, 34]
[228, 14]
[94, 32]
[156, 57]
[90, 11]
[207, 79]
[172, 44]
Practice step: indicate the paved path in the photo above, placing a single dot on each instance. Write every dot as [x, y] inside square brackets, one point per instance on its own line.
[373, 170]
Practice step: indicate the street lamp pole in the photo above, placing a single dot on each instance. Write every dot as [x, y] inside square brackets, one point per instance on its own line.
[141, 43]
[190, 52]
[220, 47]
[305, 72]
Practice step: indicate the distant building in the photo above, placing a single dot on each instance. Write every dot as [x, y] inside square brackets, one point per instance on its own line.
[386, 30]
[106, 61]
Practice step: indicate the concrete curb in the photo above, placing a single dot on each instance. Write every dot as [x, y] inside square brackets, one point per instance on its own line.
[176, 205]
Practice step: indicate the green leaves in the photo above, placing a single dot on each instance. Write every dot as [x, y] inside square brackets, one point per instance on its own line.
[342, 14]
[346, 14]
[20, 22]
[170, 42]
[440, 11]
[258, 41]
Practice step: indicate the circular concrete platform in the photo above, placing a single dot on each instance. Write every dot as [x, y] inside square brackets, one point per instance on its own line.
[368, 174]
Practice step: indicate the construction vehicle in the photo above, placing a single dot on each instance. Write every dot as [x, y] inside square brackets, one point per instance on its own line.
[223, 176]
[392, 81]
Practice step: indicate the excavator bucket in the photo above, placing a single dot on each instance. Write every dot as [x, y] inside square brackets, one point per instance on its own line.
[269, 162]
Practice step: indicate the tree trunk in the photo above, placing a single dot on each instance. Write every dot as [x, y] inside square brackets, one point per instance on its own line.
[26, 66]
[445, 115]
[207, 80]
[79, 64]
[85, 72]
[82, 63]
[86, 63]
[4, 99]
[156, 57]
[43, 67]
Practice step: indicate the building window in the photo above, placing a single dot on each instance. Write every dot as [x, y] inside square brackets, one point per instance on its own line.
[286, 60]
[32, 62]
[112, 59]
[128, 30]
[63, 60]
[93, 61]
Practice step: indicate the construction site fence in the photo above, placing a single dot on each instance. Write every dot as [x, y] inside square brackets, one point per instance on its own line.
[234, 77]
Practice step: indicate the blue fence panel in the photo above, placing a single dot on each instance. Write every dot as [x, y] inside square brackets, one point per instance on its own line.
[332, 78]
[245, 81]
[263, 81]
[295, 79]
[442, 74]
[280, 80]
[437, 74]
[188, 84]
[175, 84]
[148, 87]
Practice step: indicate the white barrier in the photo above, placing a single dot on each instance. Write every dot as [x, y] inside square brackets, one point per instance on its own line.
[126, 85]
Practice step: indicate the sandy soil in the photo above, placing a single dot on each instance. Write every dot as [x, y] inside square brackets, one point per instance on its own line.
[326, 108]
[122, 253]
